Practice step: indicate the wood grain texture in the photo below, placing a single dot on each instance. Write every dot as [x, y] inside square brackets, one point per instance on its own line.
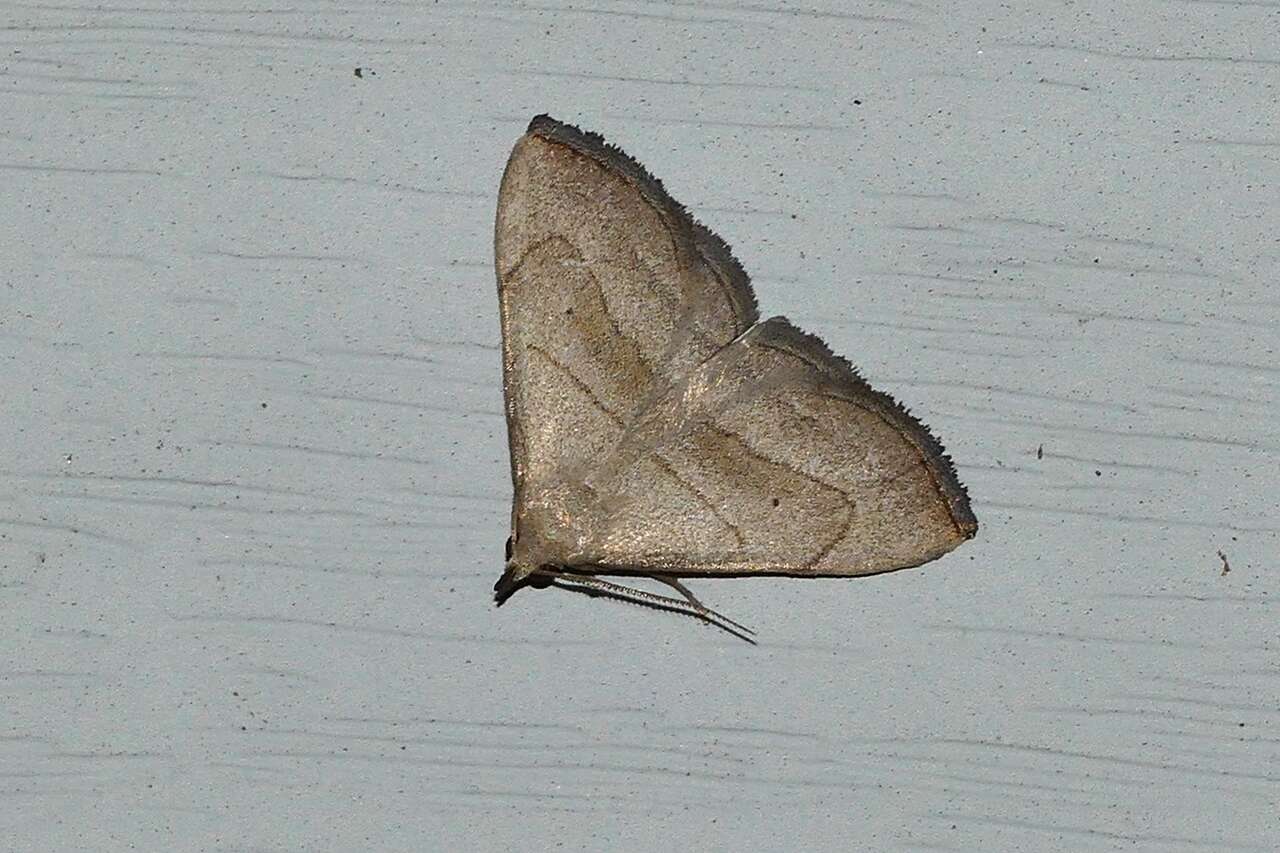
[235, 628]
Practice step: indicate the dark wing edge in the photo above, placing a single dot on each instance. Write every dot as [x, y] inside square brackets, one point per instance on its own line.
[941, 469]
[709, 245]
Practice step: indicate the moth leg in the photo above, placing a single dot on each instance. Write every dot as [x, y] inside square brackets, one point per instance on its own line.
[691, 607]
[675, 584]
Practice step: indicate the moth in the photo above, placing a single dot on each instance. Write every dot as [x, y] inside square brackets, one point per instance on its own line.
[658, 428]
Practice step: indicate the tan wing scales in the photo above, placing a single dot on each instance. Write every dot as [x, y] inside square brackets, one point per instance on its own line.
[608, 291]
[775, 458]
[655, 427]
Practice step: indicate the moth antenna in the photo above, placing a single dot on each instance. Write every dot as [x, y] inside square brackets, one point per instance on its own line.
[690, 605]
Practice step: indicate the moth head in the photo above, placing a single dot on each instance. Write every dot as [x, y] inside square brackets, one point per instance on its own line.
[547, 529]
[518, 570]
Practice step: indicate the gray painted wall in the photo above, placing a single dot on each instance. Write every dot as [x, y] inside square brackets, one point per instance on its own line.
[253, 473]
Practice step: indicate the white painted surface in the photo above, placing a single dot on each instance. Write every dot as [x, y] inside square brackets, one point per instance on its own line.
[253, 475]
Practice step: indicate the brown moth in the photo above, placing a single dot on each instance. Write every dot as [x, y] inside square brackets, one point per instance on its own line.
[658, 428]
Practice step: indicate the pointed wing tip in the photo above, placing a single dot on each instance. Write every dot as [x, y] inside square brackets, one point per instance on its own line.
[940, 464]
[546, 126]
[711, 245]
[585, 142]
[948, 482]
[944, 473]
[964, 518]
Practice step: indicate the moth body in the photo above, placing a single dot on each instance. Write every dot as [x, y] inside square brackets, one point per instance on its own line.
[657, 426]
